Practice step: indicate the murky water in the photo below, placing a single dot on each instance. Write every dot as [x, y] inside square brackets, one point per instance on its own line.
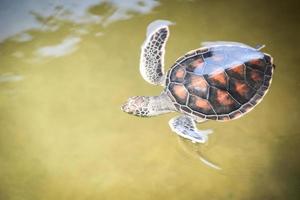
[66, 67]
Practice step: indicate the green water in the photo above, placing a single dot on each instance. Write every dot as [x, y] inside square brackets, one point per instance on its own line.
[65, 69]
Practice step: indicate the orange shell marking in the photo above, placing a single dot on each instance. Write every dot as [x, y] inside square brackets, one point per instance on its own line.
[224, 98]
[180, 91]
[203, 104]
[239, 69]
[256, 62]
[241, 88]
[180, 73]
[197, 63]
[219, 77]
[255, 76]
[199, 83]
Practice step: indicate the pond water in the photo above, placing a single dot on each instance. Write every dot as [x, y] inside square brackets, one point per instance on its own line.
[67, 66]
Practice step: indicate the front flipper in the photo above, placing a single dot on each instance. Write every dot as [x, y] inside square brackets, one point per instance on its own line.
[185, 127]
[153, 51]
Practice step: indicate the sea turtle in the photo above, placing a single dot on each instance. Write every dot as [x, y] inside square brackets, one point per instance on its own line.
[219, 81]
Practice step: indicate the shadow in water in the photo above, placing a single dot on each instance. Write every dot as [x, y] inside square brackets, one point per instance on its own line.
[194, 150]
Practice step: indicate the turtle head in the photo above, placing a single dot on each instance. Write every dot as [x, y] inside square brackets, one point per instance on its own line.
[137, 105]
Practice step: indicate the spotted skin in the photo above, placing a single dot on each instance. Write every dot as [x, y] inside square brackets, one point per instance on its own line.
[152, 56]
[221, 82]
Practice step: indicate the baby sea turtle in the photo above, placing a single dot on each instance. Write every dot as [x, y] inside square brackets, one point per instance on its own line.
[218, 81]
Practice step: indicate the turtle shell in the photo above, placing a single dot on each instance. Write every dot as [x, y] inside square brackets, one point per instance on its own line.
[221, 82]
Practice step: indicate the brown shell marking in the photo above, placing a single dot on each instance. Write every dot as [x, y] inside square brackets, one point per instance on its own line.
[223, 118]
[197, 63]
[257, 64]
[178, 93]
[239, 69]
[222, 101]
[255, 76]
[197, 85]
[241, 88]
[186, 109]
[200, 105]
[224, 98]
[269, 70]
[178, 73]
[235, 114]
[218, 78]
[236, 71]
[246, 108]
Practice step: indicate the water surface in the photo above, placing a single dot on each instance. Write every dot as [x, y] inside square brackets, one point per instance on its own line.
[66, 67]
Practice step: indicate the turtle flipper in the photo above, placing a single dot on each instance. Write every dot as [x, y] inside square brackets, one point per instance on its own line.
[153, 51]
[185, 127]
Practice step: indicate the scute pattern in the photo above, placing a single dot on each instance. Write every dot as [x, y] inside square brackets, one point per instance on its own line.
[179, 74]
[236, 71]
[254, 78]
[222, 101]
[218, 79]
[240, 90]
[180, 93]
[200, 105]
[195, 64]
[219, 83]
[196, 85]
